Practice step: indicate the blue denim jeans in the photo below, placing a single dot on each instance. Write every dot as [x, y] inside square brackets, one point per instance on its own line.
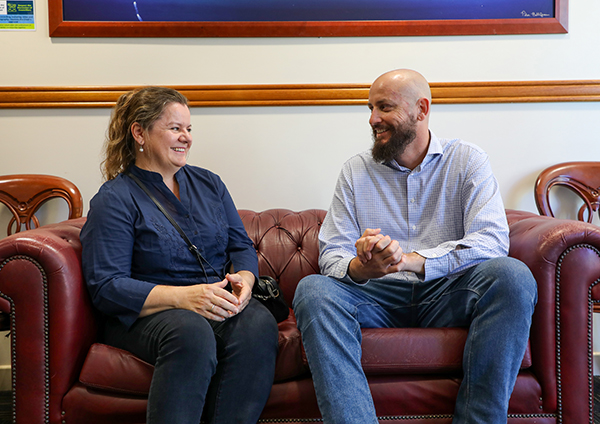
[495, 299]
[220, 371]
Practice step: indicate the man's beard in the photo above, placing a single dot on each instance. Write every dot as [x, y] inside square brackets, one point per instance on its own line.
[401, 137]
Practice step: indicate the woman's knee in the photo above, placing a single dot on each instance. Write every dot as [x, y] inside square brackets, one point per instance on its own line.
[259, 326]
[188, 335]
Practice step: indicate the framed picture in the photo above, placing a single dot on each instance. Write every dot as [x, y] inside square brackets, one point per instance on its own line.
[303, 18]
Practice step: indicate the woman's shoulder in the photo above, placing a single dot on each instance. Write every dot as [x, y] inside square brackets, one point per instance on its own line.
[202, 174]
[113, 191]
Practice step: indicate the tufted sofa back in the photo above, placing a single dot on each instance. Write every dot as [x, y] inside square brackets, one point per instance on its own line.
[286, 244]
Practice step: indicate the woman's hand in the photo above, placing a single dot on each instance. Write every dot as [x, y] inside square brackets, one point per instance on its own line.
[211, 301]
[241, 285]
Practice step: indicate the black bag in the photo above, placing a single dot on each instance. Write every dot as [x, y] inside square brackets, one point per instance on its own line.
[266, 290]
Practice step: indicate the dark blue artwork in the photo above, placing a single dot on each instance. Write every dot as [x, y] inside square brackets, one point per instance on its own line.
[302, 10]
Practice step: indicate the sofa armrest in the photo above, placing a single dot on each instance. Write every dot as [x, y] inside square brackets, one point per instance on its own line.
[564, 257]
[52, 320]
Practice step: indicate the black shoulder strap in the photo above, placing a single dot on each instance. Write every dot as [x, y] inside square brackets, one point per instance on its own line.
[191, 246]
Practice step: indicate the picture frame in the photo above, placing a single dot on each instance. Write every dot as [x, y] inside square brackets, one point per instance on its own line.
[529, 22]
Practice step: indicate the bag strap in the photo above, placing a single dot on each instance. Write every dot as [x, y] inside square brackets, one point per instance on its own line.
[191, 246]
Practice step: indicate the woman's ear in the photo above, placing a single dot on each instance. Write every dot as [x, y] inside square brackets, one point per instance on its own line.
[138, 133]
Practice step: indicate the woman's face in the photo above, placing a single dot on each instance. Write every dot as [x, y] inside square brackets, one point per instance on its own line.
[167, 143]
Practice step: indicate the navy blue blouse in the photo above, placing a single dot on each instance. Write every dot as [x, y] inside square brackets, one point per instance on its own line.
[129, 246]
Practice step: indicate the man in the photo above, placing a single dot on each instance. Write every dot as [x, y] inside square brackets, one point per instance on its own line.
[416, 236]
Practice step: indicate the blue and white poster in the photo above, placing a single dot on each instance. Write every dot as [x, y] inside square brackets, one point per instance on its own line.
[17, 15]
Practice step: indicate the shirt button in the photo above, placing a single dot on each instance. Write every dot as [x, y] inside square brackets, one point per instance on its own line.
[414, 227]
[412, 200]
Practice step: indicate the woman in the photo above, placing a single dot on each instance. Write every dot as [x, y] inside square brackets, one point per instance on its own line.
[213, 346]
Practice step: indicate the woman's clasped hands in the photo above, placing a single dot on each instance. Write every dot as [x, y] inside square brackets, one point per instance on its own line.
[214, 302]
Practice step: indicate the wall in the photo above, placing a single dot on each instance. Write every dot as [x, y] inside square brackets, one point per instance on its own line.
[304, 146]
[290, 156]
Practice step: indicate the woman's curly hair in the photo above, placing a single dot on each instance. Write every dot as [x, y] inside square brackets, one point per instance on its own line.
[144, 106]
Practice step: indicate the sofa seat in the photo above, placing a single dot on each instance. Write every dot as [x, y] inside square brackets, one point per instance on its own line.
[387, 352]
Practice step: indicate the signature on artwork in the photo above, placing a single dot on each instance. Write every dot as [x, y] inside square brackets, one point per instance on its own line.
[526, 14]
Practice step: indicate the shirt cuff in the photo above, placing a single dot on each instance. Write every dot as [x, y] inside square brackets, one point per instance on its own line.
[340, 272]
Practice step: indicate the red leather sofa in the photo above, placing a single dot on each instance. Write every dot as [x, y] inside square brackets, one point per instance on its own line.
[61, 374]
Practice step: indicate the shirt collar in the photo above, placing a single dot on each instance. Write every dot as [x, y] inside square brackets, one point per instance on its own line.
[435, 148]
[151, 175]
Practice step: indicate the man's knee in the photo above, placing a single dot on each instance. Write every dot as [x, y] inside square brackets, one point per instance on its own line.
[514, 280]
[311, 292]
[320, 299]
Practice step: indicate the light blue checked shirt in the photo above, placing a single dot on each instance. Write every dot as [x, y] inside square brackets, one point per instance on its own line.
[448, 209]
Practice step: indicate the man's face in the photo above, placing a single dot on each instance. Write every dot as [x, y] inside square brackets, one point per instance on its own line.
[393, 121]
[400, 136]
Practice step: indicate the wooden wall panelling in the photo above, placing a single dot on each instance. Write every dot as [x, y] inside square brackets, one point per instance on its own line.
[305, 94]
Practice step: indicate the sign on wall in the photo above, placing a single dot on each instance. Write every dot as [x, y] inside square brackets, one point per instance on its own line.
[17, 15]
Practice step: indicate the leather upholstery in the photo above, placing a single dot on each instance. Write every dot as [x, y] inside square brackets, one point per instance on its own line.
[64, 374]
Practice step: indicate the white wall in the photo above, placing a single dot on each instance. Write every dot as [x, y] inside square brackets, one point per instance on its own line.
[302, 146]
[290, 156]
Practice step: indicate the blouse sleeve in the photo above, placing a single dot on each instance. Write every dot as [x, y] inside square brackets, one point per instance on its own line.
[107, 244]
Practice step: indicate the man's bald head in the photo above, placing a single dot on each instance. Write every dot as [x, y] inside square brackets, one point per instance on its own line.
[400, 104]
[410, 84]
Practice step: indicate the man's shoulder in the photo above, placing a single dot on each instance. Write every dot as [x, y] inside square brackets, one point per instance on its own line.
[459, 145]
[360, 160]
[457, 151]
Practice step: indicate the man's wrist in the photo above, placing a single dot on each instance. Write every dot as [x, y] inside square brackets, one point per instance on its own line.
[354, 271]
[415, 263]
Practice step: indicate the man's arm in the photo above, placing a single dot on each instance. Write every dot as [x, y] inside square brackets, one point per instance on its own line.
[484, 224]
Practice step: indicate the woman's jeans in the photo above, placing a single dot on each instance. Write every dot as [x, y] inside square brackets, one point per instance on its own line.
[495, 299]
[220, 371]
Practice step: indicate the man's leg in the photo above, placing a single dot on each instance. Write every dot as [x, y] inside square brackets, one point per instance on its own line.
[327, 313]
[496, 300]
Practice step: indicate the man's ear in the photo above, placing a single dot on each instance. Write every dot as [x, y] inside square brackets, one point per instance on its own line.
[424, 106]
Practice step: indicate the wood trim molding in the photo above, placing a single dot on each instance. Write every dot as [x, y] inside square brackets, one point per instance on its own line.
[305, 94]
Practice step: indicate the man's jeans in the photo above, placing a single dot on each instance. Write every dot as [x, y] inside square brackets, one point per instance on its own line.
[229, 366]
[495, 299]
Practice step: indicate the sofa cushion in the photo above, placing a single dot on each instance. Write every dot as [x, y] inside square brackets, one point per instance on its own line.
[416, 350]
[111, 369]
[386, 351]
[115, 370]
